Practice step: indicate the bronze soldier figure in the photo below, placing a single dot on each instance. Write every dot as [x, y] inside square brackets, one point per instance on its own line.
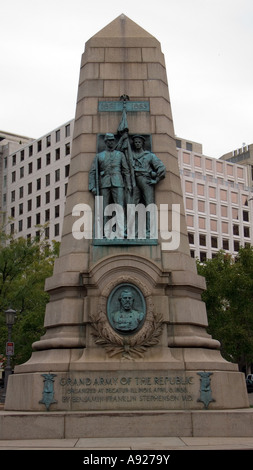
[110, 174]
[148, 170]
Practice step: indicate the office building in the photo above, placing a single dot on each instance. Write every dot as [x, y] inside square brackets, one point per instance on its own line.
[218, 204]
[34, 184]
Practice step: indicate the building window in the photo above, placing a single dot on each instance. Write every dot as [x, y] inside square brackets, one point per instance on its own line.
[219, 167]
[200, 189]
[39, 146]
[224, 211]
[202, 256]
[58, 136]
[22, 172]
[48, 140]
[202, 223]
[30, 150]
[236, 230]
[13, 196]
[48, 158]
[57, 175]
[246, 232]
[234, 213]
[212, 192]
[240, 172]
[29, 188]
[57, 230]
[188, 187]
[223, 194]
[21, 209]
[13, 177]
[214, 242]
[201, 206]
[236, 245]
[39, 164]
[47, 233]
[38, 184]
[57, 211]
[213, 208]
[245, 216]
[47, 197]
[186, 158]
[29, 222]
[12, 229]
[48, 179]
[202, 240]
[20, 225]
[67, 149]
[224, 227]
[244, 200]
[30, 168]
[22, 155]
[57, 154]
[38, 219]
[178, 143]
[29, 205]
[67, 130]
[225, 244]
[57, 193]
[234, 198]
[230, 170]
[189, 146]
[213, 225]
[13, 212]
[197, 161]
[47, 215]
[189, 203]
[190, 220]
[38, 201]
[21, 192]
[67, 171]
[191, 238]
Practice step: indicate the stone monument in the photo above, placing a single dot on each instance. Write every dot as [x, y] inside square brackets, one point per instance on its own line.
[125, 324]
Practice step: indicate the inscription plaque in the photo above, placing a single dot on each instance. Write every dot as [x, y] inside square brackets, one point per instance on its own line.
[128, 390]
[130, 106]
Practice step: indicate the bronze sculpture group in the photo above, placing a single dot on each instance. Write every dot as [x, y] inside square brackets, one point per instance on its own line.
[126, 174]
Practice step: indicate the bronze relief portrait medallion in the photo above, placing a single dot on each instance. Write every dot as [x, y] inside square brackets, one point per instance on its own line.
[126, 309]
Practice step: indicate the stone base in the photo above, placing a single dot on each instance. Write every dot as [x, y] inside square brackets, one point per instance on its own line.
[67, 425]
[126, 389]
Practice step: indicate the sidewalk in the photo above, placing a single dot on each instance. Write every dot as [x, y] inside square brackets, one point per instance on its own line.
[134, 443]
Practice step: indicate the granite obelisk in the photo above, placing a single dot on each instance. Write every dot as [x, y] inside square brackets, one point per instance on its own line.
[125, 325]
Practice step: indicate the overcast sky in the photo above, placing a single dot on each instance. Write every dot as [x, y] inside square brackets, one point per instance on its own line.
[208, 48]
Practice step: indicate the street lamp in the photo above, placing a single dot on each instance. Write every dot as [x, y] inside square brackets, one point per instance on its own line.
[10, 319]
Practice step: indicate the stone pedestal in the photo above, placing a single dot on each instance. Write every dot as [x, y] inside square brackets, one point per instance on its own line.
[81, 363]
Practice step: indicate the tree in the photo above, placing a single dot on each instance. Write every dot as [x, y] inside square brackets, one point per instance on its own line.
[229, 303]
[24, 266]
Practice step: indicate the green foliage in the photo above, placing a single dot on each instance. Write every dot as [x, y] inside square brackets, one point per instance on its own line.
[24, 266]
[229, 303]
